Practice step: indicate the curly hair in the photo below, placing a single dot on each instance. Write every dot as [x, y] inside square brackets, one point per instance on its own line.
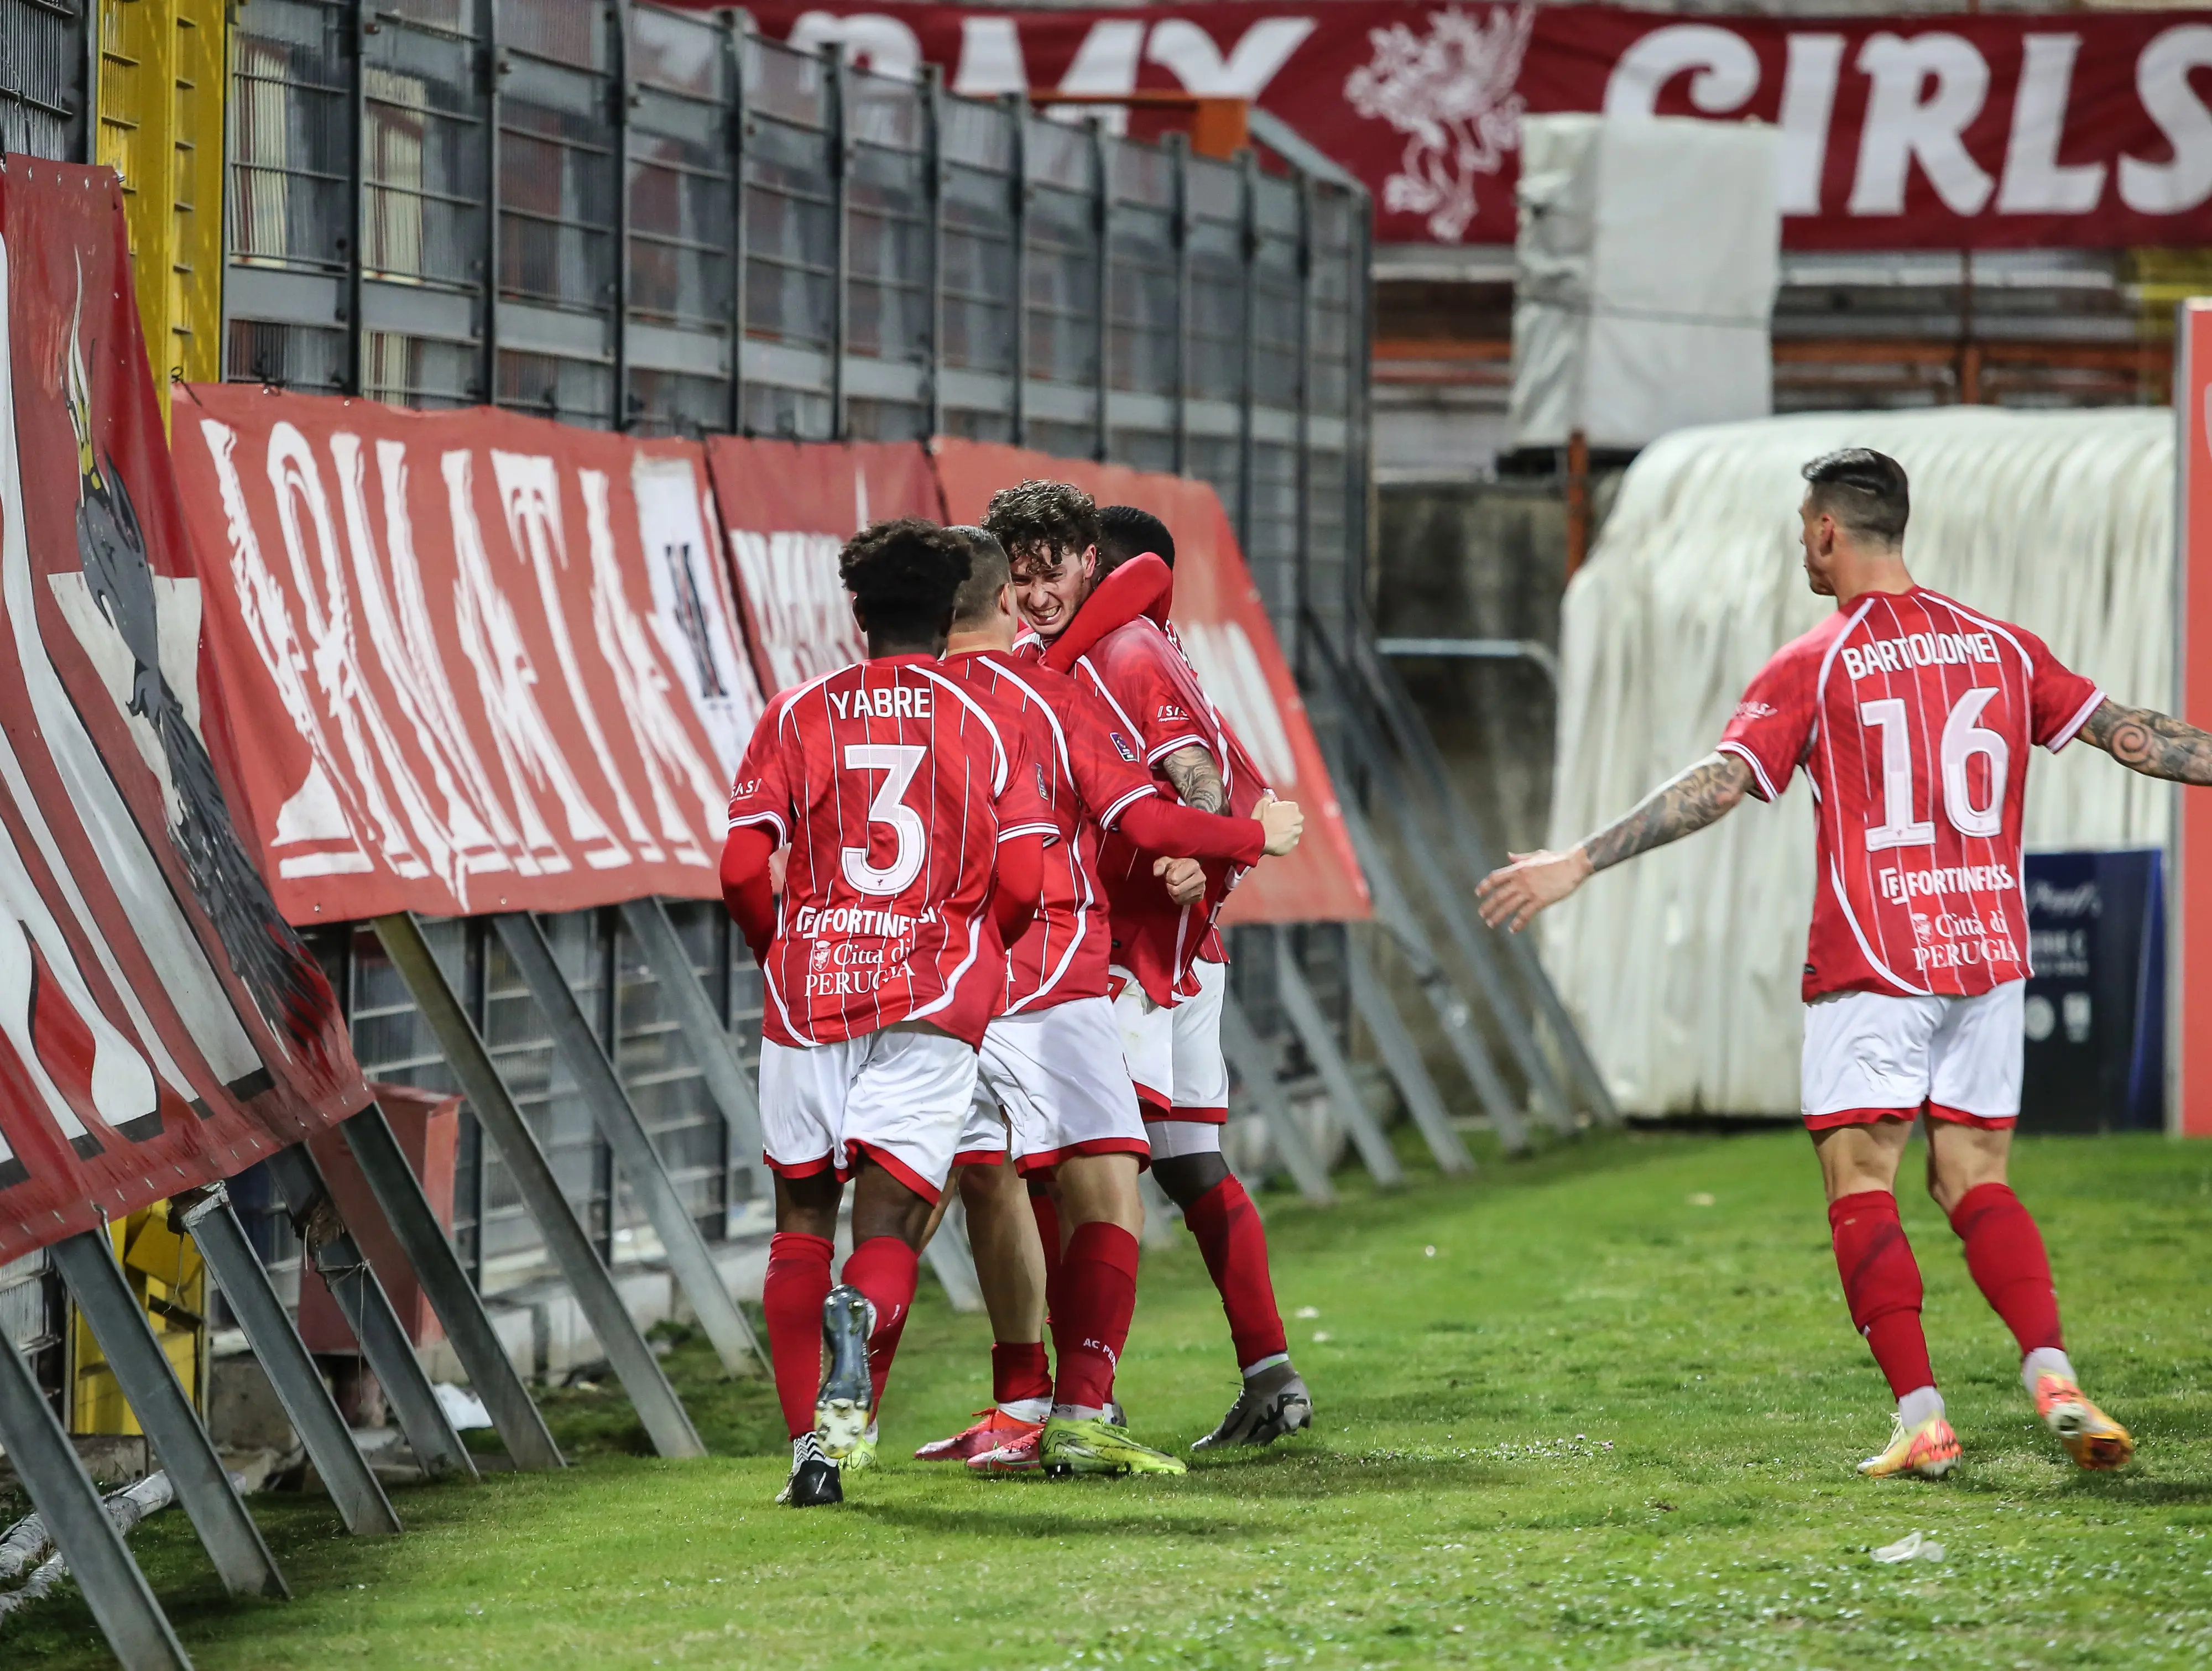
[1126, 531]
[904, 574]
[1041, 518]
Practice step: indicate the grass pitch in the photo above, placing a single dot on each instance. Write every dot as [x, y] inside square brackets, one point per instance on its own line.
[1599, 1408]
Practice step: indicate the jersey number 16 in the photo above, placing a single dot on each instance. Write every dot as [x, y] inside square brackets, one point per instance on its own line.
[1964, 736]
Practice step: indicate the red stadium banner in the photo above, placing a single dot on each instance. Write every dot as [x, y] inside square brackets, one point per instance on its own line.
[788, 507]
[1225, 632]
[161, 1024]
[482, 661]
[1987, 131]
[2191, 938]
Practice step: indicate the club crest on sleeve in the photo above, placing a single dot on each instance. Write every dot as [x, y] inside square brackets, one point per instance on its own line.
[1043, 791]
[1123, 747]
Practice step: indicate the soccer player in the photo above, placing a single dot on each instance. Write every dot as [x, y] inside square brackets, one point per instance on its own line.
[1911, 715]
[916, 829]
[1168, 1005]
[1055, 1098]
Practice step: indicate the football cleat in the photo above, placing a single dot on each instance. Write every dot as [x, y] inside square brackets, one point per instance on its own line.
[2092, 1438]
[1271, 1405]
[1019, 1455]
[843, 1407]
[1096, 1446]
[813, 1479]
[1930, 1450]
[992, 1428]
[863, 1455]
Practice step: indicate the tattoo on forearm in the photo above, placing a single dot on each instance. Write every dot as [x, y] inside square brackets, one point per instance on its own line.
[1196, 778]
[2151, 742]
[1673, 810]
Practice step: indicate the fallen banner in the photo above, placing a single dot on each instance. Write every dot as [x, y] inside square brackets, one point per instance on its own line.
[161, 1023]
[787, 508]
[484, 662]
[1229, 642]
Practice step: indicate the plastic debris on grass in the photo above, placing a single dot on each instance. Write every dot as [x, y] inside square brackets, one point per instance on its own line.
[463, 1408]
[1912, 1546]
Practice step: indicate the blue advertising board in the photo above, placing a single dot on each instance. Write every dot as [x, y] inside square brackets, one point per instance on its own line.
[2095, 1014]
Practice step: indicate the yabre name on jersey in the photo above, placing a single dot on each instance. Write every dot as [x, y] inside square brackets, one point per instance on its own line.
[889, 702]
[1898, 885]
[1895, 655]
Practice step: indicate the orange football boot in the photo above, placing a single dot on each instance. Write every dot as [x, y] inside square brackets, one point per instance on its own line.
[2092, 1438]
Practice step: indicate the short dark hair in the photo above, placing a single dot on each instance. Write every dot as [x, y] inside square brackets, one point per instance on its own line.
[988, 574]
[904, 574]
[1039, 516]
[1127, 532]
[1864, 490]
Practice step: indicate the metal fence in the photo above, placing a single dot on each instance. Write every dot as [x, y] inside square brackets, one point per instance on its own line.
[623, 217]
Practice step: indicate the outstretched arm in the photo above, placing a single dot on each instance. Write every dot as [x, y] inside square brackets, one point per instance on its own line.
[1513, 895]
[2151, 742]
[1196, 779]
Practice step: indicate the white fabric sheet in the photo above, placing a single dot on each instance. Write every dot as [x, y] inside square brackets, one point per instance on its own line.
[1681, 966]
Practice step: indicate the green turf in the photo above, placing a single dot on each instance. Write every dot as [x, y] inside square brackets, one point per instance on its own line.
[1597, 1409]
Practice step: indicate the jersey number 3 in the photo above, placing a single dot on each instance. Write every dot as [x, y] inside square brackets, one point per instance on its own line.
[898, 763]
[1964, 736]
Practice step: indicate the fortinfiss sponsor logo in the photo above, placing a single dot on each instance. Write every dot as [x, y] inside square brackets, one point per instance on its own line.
[860, 921]
[1897, 886]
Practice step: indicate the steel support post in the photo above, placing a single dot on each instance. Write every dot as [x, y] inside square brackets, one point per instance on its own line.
[1319, 1040]
[367, 1312]
[736, 29]
[617, 26]
[121, 1601]
[1018, 191]
[150, 1383]
[359, 1498]
[841, 164]
[438, 1268]
[1402, 1057]
[1102, 221]
[658, 1407]
[1255, 1065]
[360, 17]
[932, 121]
[684, 1248]
[709, 1040]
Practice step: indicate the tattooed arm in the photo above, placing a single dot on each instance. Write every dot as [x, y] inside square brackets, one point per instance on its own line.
[2151, 742]
[1706, 791]
[1196, 779]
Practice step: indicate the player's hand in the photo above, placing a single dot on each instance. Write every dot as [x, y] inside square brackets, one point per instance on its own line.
[1284, 823]
[1186, 879]
[1511, 895]
[778, 862]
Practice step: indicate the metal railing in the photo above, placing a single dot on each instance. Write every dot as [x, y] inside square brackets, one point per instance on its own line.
[627, 217]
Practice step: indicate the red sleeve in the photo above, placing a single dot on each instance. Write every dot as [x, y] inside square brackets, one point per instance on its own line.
[762, 793]
[2059, 700]
[1158, 825]
[1773, 723]
[1103, 757]
[746, 885]
[1024, 804]
[1020, 881]
[1149, 687]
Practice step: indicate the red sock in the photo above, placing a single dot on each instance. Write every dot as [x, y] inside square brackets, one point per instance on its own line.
[797, 1282]
[2004, 1252]
[1048, 1223]
[1098, 1290]
[884, 1269]
[1235, 1247]
[1881, 1286]
[1019, 1371]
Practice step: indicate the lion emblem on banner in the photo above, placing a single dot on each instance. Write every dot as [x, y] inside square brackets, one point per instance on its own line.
[1451, 94]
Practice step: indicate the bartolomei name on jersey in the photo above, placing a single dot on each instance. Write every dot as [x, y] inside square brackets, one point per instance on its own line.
[1896, 655]
[1947, 879]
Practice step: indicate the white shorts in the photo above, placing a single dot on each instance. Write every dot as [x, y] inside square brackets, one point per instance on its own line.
[898, 1095]
[1174, 1055]
[1872, 1056]
[1051, 1084]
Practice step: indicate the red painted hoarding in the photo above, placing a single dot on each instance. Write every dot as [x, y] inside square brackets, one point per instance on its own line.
[489, 662]
[1983, 131]
[161, 1023]
[2191, 915]
[1225, 632]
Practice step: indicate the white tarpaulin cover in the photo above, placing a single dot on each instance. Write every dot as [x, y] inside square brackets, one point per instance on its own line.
[1645, 270]
[1682, 965]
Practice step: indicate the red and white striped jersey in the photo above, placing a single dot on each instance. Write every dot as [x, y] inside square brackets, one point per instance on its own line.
[1912, 716]
[894, 785]
[1096, 772]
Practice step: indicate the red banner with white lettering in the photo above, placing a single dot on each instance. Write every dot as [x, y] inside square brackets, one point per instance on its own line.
[483, 662]
[1977, 132]
[787, 509]
[1225, 631]
[161, 1024]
